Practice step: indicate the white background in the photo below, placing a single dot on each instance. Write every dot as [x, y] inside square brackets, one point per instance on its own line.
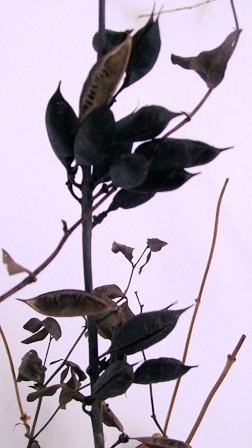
[43, 42]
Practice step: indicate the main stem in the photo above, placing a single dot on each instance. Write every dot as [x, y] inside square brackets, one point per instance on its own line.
[96, 412]
[87, 190]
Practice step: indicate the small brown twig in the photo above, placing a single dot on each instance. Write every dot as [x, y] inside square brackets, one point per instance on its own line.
[26, 281]
[190, 115]
[133, 267]
[23, 415]
[198, 301]
[183, 8]
[230, 361]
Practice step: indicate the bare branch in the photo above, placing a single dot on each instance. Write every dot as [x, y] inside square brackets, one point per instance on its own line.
[183, 8]
[67, 233]
[230, 361]
[198, 301]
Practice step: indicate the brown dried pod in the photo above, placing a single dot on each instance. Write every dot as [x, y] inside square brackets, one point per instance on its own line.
[69, 303]
[104, 77]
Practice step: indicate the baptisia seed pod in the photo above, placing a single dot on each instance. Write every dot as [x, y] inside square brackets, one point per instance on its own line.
[104, 78]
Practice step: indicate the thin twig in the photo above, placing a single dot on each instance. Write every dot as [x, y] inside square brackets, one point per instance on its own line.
[133, 267]
[183, 8]
[230, 361]
[234, 14]
[23, 415]
[61, 243]
[190, 115]
[153, 413]
[67, 356]
[47, 423]
[198, 301]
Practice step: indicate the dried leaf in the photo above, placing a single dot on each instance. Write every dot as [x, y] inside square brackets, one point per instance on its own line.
[66, 395]
[77, 370]
[31, 368]
[52, 327]
[112, 291]
[161, 442]
[146, 262]
[159, 370]
[143, 330]
[104, 78]
[33, 325]
[43, 392]
[64, 374]
[39, 336]
[155, 244]
[69, 303]
[211, 65]
[114, 381]
[68, 390]
[13, 267]
[61, 125]
[109, 418]
[125, 250]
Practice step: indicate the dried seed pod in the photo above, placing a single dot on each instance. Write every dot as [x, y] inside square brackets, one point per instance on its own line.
[144, 124]
[114, 381]
[61, 125]
[70, 303]
[161, 442]
[104, 78]
[160, 370]
[168, 153]
[143, 330]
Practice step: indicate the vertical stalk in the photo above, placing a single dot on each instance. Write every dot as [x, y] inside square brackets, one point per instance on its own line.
[96, 413]
[86, 204]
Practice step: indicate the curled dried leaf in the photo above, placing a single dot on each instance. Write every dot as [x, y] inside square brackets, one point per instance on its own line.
[39, 336]
[125, 250]
[31, 368]
[211, 65]
[109, 418]
[13, 267]
[43, 392]
[155, 244]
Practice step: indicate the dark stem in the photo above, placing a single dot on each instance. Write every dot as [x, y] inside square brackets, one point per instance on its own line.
[96, 414]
